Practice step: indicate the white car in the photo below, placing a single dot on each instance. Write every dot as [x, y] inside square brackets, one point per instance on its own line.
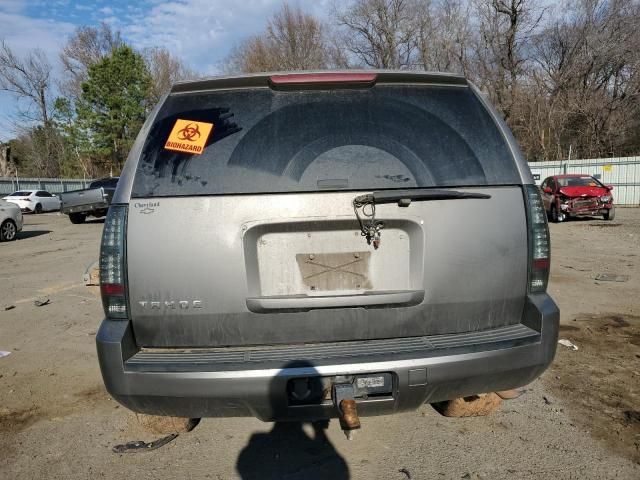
[10, 221]
[36, 201]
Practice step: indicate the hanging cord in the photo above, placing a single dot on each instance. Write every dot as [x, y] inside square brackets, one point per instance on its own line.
[369, 226]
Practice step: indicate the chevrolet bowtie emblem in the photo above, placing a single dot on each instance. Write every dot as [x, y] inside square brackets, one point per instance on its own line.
[147, 210]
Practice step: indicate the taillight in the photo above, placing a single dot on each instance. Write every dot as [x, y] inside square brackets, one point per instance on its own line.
[539, 244]
[112, 264]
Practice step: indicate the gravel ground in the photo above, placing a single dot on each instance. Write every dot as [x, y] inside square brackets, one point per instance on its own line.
[580, 420]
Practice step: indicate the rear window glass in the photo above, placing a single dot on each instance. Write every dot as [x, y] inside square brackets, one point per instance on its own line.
[261, 140]
[109, 183]
[578, 182]
[23, 193]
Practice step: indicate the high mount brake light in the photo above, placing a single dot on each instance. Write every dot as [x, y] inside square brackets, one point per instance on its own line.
[539, 243]
[303, 79]
[112, 264]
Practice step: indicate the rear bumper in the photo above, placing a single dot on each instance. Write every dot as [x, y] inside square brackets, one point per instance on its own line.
[25, 207]
[215, 385]
[21, 204]
[88, 208]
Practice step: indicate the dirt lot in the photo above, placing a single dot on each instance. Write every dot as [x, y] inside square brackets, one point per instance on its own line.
[580, 420]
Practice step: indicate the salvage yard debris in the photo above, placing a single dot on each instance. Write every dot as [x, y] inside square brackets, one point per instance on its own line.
[140, 446]
[91, 276]
[567, 343]
[41, 302]
[406, 472]
[611, 277]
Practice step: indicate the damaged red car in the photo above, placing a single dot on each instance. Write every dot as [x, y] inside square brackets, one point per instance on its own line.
[576, 195]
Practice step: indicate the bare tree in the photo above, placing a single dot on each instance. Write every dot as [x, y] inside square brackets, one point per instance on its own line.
[298, 38]
[165, 69]
[86, 47]
[382, 33]
[587, 81]
[292, 40]
[505, 27]
[444, 36]
[250, 56]
[29, 79]
[42, 148]
[7, 168]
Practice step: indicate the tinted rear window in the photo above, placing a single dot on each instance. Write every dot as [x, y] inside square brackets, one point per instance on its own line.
[108, 182]
[23, 193]
[303, 141]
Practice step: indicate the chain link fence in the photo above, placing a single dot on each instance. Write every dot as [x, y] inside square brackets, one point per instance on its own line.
[52, 185]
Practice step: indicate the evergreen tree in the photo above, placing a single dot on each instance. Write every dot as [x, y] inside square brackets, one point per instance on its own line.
[113, 105]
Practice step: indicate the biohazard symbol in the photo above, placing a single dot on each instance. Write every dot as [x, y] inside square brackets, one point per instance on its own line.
[190, 132]
[189, 136]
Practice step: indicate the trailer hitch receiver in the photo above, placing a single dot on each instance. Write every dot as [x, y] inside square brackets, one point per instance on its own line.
[344, 399]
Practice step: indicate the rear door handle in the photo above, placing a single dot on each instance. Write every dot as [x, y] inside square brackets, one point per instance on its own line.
[307, 302]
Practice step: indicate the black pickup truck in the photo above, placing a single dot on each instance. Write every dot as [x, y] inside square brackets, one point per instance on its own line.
[93, 201]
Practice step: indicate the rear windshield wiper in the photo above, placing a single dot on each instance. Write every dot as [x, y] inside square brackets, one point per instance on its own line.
[370, 228]
[404, 197]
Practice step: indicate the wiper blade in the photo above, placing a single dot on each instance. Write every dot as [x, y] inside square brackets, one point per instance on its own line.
[371, 229]
[404, 197]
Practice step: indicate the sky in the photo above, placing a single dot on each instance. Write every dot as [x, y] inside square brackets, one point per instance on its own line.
[200, 32]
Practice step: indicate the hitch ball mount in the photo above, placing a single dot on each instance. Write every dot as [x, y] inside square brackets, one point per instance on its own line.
[343, 395]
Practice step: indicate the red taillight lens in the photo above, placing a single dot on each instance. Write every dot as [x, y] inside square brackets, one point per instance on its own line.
[112, 289]
[326, 78]
[112, 264]
[539, 243]
[541, 264]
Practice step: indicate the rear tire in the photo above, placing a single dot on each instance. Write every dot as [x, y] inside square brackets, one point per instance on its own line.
[38, 209]
[472, 406]
[557, 216]
[77, 218]
[166, 425]
[8, 231]
[610, 214]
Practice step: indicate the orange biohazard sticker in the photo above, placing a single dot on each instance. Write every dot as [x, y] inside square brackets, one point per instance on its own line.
[188, 136]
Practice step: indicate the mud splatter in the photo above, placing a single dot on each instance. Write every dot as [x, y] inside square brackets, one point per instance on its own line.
[13, 421]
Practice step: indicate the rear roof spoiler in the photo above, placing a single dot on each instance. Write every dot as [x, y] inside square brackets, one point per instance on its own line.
[263, 79]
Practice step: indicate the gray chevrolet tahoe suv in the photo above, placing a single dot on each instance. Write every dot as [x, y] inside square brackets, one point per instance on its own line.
[278, 243]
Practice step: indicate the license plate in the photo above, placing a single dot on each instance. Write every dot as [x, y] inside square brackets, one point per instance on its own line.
[370, 382]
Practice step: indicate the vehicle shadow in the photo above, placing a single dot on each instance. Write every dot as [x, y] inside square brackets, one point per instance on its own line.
[24, 234]
[586, 218]
[288, 451]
